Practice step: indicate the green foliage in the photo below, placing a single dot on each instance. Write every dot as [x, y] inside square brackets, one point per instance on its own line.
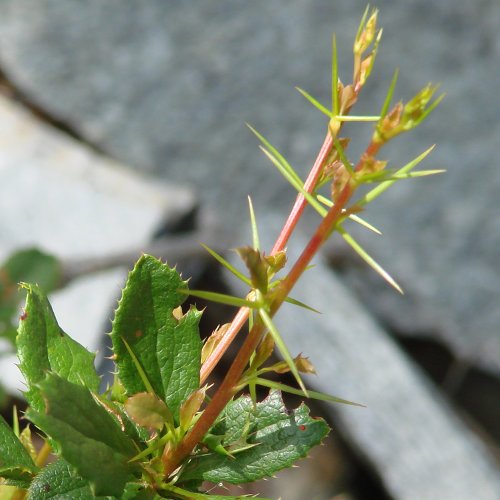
[42, 347]
[15, 461]
[58, 481]
[279, 437]
[85, 434]
[166, 346]
[100, 457]
[156, 433]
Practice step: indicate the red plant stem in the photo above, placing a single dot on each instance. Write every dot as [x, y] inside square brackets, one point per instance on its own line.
[227, 388]
[236, 325]
[300, 202]
[290, 224]
[223, 395]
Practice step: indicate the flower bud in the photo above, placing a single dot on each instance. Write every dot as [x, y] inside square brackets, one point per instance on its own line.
[304, 365]
[340, 179]
[257, 266]
[366, 35]
[277, 261]
[416, 109]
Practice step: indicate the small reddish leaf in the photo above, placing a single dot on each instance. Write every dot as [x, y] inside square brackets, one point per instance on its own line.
[148, 411]
[213, 341]
[191, 406]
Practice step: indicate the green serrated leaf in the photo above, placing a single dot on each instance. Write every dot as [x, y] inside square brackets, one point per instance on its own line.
[59, 481]
[148, 411]
[131, 429]
[86, 435]
[76, 406]
[30, 265]
[147, 303]
[43, 346]
[168, 349]
[283, 437]
[179, 355]
[15, 461]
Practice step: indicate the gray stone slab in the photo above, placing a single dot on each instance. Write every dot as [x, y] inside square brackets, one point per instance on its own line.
[59, 195]
[166, 86]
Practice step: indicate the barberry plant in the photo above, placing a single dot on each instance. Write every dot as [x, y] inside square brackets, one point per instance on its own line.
[160, 430]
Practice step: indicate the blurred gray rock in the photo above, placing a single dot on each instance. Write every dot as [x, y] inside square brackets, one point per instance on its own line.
[167, 86]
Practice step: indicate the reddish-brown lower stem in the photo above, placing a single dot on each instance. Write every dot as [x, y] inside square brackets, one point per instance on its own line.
[223, 395]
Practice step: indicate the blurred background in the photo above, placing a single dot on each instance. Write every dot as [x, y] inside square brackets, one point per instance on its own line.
[122, 130]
